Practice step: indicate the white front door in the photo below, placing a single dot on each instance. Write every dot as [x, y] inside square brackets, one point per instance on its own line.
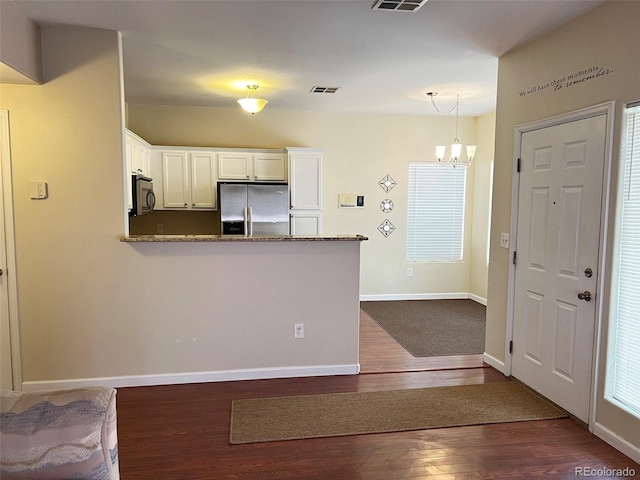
[6, 371]
[558, 238]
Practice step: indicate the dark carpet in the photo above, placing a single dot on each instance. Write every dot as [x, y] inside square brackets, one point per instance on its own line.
[432, 328]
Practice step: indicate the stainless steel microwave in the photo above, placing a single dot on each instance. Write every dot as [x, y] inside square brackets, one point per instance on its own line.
[142, 195]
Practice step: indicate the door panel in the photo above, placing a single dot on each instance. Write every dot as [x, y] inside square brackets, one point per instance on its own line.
[565, 335]
[269, 209]
[533, 325]
[558, 238]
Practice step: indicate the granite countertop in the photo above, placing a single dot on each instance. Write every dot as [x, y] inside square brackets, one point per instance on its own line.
[241, 238]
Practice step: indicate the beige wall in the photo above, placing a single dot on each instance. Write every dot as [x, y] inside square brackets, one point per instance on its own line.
[94, 309]
[19, 46]
[359, 149]
[606, 37]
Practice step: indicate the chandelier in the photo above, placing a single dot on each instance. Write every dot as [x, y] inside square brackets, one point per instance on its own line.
[456, 147]
[252, 103]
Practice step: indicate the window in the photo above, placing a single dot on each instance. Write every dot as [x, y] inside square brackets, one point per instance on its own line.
[435, 216]
[625, 327]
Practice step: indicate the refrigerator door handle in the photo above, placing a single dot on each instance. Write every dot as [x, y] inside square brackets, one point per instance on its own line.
[250, 221]
[245, 213]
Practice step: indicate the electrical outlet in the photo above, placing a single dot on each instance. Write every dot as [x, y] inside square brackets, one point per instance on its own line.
[409, 272]
[298, 331]
[159, 227]
[504, 240]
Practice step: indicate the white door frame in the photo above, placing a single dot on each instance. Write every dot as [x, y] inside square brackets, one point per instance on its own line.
[608, 109]
[11, 274]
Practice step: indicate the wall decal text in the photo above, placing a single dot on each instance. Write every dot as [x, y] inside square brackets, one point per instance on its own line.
[575, 78]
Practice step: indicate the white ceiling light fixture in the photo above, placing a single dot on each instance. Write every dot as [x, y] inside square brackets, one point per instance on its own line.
[252, 103]
[456, 147]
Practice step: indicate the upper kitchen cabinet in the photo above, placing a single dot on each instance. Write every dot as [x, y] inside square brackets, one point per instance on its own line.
[187, 177]
[137, 154]
[305, 178]
[137, 161]
[252, 167]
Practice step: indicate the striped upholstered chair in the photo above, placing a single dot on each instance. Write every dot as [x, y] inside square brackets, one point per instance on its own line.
[60, 434]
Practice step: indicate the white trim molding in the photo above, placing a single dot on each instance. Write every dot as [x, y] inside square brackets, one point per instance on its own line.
[478, 299]
[413, 296]
[193, 377]
[10, 247]
[617, 442]
[494, 362]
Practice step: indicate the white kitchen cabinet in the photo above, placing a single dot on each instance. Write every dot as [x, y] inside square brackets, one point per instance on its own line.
[137, 158]
[305, 178]
[203, 180]
[187, 179]
[252, 167]
[306, 222]
[305, 190]
[269, 167]
[138, 154]
[235, 166]
[175, 180]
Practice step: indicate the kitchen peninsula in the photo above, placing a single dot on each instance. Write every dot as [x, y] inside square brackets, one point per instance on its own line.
[241, 238]
[245, 301]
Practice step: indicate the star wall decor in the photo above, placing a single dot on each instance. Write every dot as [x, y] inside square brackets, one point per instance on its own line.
[387, 183]
[386, 228]
[386, 205]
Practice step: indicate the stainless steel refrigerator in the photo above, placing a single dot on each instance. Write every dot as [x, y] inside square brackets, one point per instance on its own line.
[254, 209]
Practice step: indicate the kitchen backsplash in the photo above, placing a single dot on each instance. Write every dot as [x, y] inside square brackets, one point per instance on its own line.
[169, 222]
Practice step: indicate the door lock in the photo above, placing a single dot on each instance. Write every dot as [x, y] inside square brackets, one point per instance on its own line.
[588, 272]
[586, 296]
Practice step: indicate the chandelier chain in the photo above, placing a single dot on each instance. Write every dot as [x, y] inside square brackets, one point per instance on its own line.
[438, 110]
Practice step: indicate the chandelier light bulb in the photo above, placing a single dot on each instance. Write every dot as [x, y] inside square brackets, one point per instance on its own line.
[456, 149]
[471, 152]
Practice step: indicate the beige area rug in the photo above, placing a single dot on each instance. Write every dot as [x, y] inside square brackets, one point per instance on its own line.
[329, 415]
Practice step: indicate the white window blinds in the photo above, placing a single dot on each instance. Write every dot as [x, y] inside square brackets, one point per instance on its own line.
[626, 322]
[435, 216]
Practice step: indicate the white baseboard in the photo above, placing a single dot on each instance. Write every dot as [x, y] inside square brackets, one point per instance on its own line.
[423, 296]
[494, 362]
[630, 450]
[193, 377]
[413, 296]
[478, 299]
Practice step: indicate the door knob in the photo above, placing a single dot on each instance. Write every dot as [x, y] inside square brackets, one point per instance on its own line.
[586, 296]
[1, 272]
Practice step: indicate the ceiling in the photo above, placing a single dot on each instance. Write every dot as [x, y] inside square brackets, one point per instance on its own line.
[204, 53]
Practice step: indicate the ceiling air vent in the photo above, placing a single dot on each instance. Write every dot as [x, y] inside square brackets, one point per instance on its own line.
[399, 5]
[324, 89]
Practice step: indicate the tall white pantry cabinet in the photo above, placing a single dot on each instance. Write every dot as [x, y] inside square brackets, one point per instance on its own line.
[305, 189]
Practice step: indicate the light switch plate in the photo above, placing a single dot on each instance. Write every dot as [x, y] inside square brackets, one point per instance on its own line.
[504, 240]
[37, 190]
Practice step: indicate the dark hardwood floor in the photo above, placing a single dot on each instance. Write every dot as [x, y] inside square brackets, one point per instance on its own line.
[182, 432]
